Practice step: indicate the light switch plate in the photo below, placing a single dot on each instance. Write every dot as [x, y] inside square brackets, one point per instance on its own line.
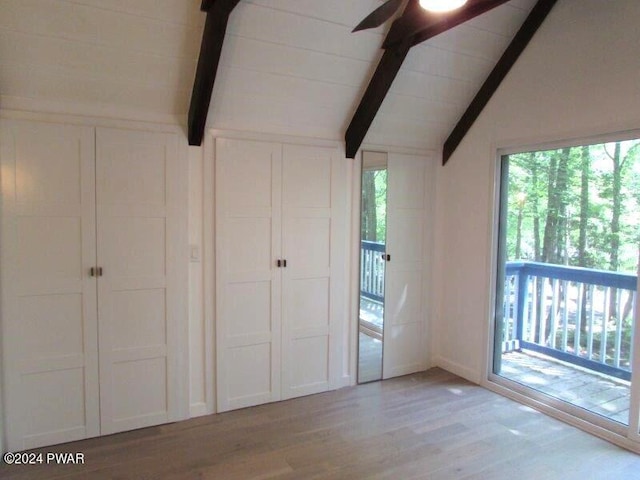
[194, 254]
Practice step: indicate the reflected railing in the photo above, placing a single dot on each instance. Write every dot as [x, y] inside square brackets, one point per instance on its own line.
[372, 270]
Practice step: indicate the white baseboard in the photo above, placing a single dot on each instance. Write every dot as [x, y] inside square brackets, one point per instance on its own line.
[345, 381]
[467, 373]
[198, 410]
[403, 370]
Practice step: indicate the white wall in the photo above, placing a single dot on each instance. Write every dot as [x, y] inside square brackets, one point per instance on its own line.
[579, 77]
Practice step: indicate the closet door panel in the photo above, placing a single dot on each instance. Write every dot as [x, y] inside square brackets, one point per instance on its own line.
[404, 322]
[48, 298]
[404, 298]
[248, 224]
[137, 206]
[405, 351]
[403, 285]
[311, 236]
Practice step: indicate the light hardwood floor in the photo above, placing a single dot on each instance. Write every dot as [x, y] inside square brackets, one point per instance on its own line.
[431, 425]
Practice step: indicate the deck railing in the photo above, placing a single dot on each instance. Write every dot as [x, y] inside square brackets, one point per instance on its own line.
[372, 270]
[577, 315]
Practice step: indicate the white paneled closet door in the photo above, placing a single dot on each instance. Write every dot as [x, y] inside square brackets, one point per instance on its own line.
[139, 304]
[248, 285]
[280, 219]
[313, 229]
[49, 300]
[404, 344]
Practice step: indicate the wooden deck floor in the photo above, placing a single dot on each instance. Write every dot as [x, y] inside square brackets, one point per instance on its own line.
[432, 425]
[372, 312]
[595, 392]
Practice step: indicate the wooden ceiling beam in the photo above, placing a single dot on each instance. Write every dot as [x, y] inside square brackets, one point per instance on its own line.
[413, 27]
[373, 97]
[509, 58]
[215, 27]
[376, 91]
[206, 5]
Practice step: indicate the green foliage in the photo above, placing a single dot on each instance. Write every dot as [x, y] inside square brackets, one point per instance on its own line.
[380, 179]
[576, 206]
[374, 205]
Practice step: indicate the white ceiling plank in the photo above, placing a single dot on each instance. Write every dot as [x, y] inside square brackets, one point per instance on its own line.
[395, 132]
[417, 110]
[79, 23]
[523, 4]
[255, 55]
[251, 20]
[504, 20]
[95, 61]
[179, 12]
[37, 82]
[294, 105]
[429, 60]
[433, 88]
[288, 89]
[341, 12]
[472, 42]
[272, 115]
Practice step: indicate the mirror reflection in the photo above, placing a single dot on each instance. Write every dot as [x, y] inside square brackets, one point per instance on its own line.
[373, 233]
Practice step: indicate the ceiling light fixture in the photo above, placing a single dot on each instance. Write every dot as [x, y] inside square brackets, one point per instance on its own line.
[439, 6]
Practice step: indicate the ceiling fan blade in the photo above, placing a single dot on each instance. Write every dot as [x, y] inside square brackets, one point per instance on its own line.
[379, 15]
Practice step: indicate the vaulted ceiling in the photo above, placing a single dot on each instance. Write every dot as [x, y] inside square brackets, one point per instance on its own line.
[114, 57]
[288, 66]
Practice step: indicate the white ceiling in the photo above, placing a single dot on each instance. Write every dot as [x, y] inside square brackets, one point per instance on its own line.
[106, 55]
[288, 66]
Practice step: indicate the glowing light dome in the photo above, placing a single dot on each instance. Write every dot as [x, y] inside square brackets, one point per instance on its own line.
[441, 5]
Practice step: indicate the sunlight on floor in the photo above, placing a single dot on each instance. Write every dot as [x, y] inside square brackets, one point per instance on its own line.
[597, 393]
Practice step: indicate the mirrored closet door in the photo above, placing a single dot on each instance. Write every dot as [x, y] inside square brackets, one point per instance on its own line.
[373, 257]
[391, 323]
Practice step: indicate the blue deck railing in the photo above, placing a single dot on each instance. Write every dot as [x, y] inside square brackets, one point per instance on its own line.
[372, 270]
[581, 316]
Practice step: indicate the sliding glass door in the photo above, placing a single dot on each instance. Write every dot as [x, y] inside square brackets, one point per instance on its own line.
[567, 276]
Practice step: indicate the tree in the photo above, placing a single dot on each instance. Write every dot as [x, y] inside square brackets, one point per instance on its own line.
[374, 205]
[535, 208]
[381, 204]
[616, 186]
[585, 171]
[369, 223]
[556, 221]
[577, 206]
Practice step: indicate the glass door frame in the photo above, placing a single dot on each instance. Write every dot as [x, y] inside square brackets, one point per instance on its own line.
[623, 435]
